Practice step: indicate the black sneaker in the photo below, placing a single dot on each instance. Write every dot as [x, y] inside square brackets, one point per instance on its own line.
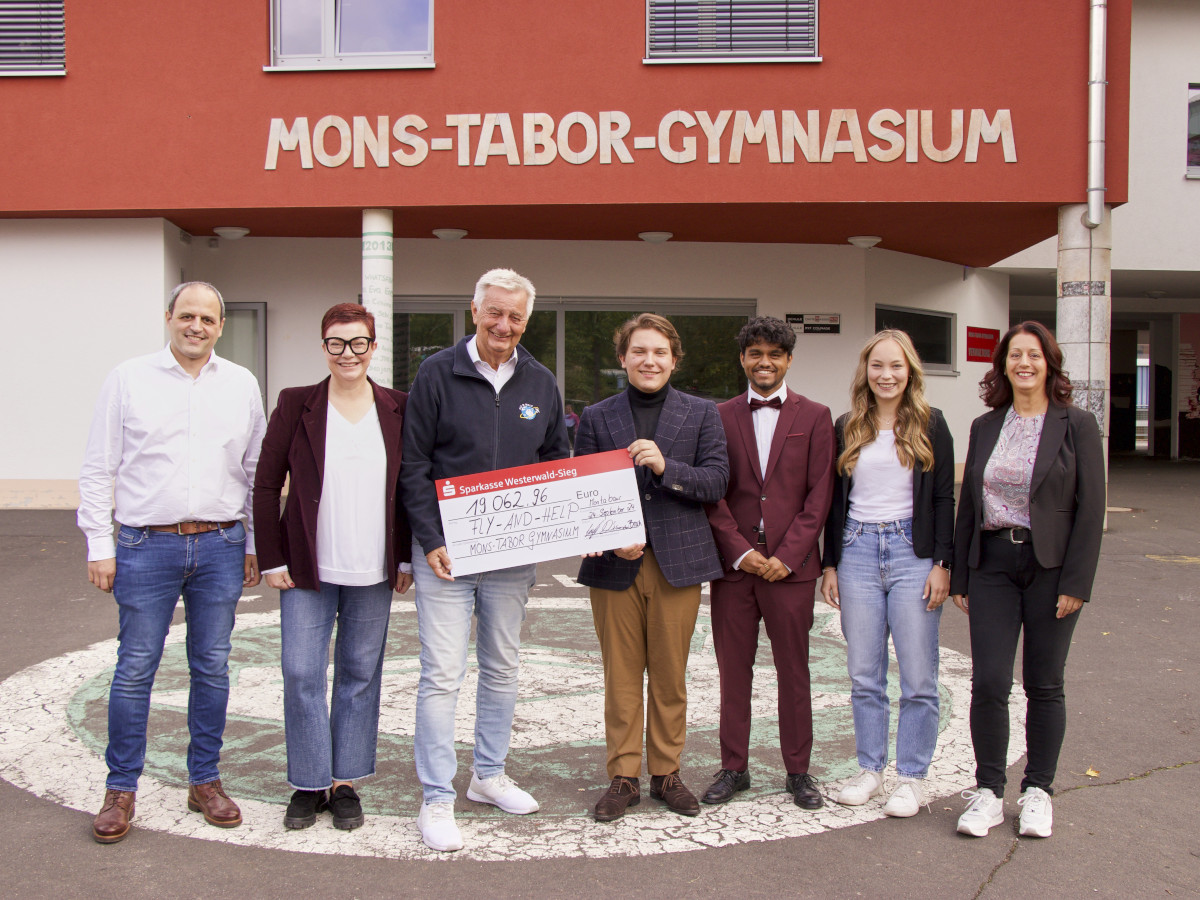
[303, 808]
[346, 808]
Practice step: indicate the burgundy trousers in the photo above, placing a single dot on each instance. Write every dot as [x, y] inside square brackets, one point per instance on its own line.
[787, 610]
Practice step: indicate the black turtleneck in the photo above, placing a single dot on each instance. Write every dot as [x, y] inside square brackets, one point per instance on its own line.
[646, 410]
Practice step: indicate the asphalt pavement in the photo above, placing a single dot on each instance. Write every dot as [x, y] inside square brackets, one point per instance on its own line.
[1127, 820]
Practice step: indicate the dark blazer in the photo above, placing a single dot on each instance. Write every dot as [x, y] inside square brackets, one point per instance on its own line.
[692, 442]
[1066, 498]
[933, 498]
[295, 445]
[791, 498]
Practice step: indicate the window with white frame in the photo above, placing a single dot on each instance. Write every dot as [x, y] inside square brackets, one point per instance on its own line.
[32, 37]
[351, 34]
[1193, 144]
[731, 31]
[932, 334]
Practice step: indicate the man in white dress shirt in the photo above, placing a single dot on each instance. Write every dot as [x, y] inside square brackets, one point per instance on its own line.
[174, 442]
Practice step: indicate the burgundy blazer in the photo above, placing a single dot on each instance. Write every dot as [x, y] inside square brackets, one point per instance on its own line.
[295, 445]
[791, 498]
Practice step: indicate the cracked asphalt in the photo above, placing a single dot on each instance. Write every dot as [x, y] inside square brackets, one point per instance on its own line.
[1126, 813]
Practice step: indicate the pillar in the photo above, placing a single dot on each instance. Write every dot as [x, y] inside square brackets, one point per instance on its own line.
[1084, 308]
[377, 279]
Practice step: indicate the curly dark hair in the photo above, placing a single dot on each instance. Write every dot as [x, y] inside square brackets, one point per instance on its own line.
[767, 330]
[995, 388]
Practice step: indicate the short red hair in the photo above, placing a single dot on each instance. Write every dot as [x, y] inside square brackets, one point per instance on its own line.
[348, 312]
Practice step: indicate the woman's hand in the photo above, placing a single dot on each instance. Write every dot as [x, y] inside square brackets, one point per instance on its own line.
[404, 581]
[960, 600]
[1067, 605]
[829, 588]
[937, 587]
[281, 581]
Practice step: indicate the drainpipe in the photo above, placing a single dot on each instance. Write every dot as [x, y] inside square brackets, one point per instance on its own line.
[1096, 86]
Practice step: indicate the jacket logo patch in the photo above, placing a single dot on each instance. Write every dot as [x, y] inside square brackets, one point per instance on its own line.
[528, 411]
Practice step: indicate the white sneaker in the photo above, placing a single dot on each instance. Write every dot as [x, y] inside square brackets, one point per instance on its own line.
[907, 799]
[438, 830]
[985, 812]
[501, 791]
[1037, 814]
[861, 788]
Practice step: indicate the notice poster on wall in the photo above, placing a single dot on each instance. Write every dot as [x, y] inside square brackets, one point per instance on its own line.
[1189, 386]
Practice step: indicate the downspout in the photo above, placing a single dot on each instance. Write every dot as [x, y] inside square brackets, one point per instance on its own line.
[1096, 86]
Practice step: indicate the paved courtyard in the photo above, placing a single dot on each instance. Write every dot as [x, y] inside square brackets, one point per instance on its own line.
[1124, 823]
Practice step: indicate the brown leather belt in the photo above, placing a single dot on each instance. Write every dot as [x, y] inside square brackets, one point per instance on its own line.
[192, 527]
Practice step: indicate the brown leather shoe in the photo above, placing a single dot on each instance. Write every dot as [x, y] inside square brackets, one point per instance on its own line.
[212, 800]
[112, 822]
[622, 793]
[671, 790]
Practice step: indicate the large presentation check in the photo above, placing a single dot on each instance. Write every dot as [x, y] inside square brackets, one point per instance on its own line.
[528, 514]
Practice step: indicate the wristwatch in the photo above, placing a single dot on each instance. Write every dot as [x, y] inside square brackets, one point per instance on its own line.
[944, 563]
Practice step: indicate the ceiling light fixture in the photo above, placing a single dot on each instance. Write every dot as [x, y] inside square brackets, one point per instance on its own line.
[231, 232]
[655, 237]
[450, 234]
[864, 241]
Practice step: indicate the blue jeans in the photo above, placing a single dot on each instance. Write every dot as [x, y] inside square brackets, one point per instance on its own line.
[880, 582]
[444, 609]
[325, 746]
[153, 569]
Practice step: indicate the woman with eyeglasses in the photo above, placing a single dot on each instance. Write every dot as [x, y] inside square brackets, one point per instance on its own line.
[341, 547]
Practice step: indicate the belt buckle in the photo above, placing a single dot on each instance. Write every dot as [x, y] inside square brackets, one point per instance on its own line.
[1012, 535]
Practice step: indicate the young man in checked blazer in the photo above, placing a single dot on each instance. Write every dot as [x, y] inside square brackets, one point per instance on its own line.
[781, 451]
[645, 597]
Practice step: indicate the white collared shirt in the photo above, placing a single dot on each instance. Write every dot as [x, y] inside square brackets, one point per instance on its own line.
[495, 377]
[170, 448]
[765, 418]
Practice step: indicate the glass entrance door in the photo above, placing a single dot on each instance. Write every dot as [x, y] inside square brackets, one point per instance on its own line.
[574, 340]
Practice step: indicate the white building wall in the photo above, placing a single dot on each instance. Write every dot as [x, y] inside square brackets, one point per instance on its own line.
[106, 282]
[93, 291]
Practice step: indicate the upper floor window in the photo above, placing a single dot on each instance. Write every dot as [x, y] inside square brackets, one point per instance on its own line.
[32, 38]
[731, 31]
[351, 34]
[1193, 144]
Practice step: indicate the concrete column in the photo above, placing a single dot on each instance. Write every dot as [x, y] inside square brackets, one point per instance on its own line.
[377, 279]
[1084, 308]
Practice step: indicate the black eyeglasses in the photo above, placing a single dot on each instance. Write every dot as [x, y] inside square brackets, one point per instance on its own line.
[337, 346]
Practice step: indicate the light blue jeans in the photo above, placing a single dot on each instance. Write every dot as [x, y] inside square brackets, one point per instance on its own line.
[444, 609]
[153, 570]
[880, 582]
[325, 745]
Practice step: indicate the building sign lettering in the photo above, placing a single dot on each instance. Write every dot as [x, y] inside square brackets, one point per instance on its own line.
[682, 137]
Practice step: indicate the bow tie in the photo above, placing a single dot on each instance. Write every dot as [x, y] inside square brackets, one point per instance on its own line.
[773, 403]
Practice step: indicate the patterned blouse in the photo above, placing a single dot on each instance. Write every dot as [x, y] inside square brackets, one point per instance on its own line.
[1009, 472]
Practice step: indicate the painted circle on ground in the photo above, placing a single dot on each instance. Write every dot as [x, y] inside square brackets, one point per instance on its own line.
[54, 733]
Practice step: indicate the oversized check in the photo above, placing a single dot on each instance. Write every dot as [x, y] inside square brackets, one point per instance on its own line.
[528, 514]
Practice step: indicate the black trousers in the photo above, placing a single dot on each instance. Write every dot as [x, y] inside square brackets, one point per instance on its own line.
[1007, 593]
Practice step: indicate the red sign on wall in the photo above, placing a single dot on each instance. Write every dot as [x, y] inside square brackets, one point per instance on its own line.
[981, 343]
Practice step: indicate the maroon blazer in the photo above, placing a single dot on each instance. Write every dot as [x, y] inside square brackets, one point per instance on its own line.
[791, 498]
[295, 445]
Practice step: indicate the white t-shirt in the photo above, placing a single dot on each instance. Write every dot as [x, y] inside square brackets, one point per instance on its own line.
[881, 489]
[351, 529]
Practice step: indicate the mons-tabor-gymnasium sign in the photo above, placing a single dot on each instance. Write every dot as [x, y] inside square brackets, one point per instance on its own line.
[885, 135]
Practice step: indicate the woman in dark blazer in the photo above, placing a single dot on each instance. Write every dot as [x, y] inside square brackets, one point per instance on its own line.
[336, 555]
[1026, 546]
[886, 563]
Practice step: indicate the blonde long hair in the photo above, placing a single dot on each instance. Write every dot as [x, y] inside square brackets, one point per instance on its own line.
[912, 417]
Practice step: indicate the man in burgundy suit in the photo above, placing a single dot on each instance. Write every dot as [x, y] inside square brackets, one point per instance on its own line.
[781, 454]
